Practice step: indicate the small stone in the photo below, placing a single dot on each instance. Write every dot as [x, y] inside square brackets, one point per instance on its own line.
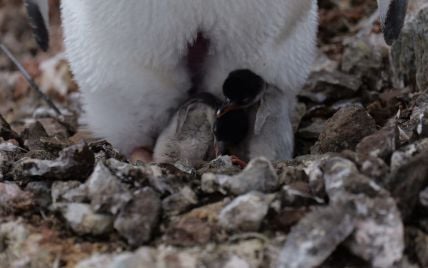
[74, 163]
[298, 195]
[197, 227]
[373, 167]
[83, 220]
[245, 213]
[221, 165]
[7, 133]
[407, 182]
[404, 155]
[12, 198]
[36, 138]
[106, 192]
[134, 175]
[342, 180]
[345, 130]
[168, 179]
[69, 192]
[327, 86]
[380, 144]
[139, 218]
[105, 151]
[9, 153]
[41, 192]
[178, 203]
[417, 243]
[259, 175]
[409, 58]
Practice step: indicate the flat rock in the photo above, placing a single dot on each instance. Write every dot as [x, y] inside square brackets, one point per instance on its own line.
[380, 144]
[316, 236]
[245, 213]
[180, 202]
[407, 181]
[74, 163]
[106, 192]
[409, 58]
[259, 175]
[83, 220]
[139, 218]
[327, 86]
[345, 130]
[69, 192]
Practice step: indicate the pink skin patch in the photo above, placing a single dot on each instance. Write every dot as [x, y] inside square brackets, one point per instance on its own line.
[141, 154]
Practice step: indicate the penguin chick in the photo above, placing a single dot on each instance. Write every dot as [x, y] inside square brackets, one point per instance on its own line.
[235, 120]
[189, 136]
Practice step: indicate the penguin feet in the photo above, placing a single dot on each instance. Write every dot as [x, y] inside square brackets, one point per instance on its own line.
[238, 162]
[141, 154]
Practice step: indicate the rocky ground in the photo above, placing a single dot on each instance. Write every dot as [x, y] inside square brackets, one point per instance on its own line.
[356, 194]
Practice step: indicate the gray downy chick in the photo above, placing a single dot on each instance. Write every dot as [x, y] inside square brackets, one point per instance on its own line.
[189, 137]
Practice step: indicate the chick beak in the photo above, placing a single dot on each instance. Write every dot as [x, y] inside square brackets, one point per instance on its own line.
[227, 107]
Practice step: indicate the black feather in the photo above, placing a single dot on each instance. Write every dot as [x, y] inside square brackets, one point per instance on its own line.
[394, 20]
[38, 25]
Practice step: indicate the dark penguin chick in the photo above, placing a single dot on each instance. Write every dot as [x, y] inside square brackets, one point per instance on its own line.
[189, 136]
[231, 129]
[243, 90]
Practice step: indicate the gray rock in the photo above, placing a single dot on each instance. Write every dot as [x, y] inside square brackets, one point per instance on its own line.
[374, 167]
[378, 235]
[134, 175]
[327, 86]
[406, 182]
[245, 213]
[342, 180]
[380, 144]
[345, 130]
[69, 192]
[139, 218]
[9, 153]
[409, 54]
[104, 151]
[41, 192]
[221, 165]
[36, 138]
[316, 236]
[13, 199]
[405, 154]
[168, 179]
[259, 175]
[417, 243]
[83, 220]
[7, 133]
[298, 195]
[106, 192]
[74, 163]
[180, 202]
